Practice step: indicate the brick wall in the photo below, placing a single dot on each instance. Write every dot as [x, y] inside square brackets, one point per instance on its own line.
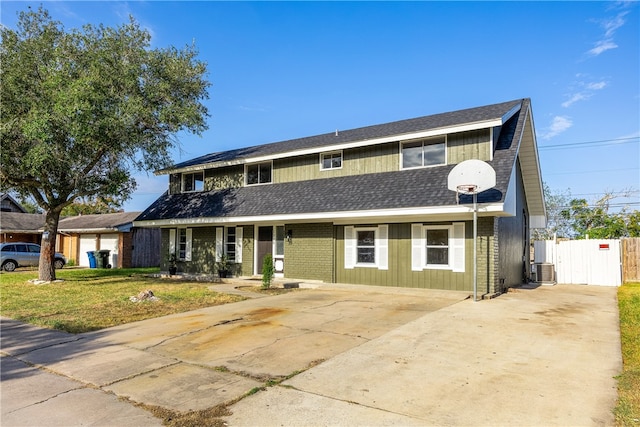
[310, 253]
[486, 252]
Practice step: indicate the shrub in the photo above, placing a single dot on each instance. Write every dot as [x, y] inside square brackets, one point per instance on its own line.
[267, 271]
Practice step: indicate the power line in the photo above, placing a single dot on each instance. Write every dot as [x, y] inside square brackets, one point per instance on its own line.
[590, 171]
[589, 144]
[610, 205]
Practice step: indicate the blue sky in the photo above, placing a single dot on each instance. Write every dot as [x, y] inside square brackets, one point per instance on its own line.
[294, 69]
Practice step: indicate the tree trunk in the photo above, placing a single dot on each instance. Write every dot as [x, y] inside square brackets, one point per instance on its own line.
[46, 270]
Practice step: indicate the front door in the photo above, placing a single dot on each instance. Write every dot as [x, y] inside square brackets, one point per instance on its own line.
[265, 245]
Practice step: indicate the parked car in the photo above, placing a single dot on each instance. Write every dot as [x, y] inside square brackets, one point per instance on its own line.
[14, 255]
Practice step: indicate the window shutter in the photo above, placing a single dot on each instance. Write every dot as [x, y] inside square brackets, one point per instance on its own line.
[457, 244]
[349, 247]
[382, 247]
[172, 242]
[239, 244]
[219, 243]
[187, 254]
[417, 247]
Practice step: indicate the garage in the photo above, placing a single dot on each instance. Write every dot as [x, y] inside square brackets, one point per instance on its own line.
[87, 243]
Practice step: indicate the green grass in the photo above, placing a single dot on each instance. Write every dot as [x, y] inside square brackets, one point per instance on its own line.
[91, 299]
[627, 411]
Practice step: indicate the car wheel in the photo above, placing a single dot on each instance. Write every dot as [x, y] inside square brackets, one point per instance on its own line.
[9, 265]
[58, 264]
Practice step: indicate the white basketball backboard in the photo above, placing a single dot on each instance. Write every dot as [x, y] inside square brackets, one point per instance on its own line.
[472, 173]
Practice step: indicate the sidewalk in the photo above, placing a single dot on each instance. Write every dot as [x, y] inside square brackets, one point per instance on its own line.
[539, 357]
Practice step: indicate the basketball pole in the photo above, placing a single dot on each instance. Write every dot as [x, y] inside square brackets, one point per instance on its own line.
[475, 244]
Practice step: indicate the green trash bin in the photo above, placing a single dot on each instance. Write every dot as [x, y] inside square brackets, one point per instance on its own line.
[99, 259]
[102, 258]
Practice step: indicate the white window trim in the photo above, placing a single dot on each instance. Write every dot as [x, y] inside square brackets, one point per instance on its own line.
[402, 143]
[221, 243]
[330, 153]
[381, 236]
[448, 265]
[246, 175]
[174, 243]
[456, 246]
[194, 189]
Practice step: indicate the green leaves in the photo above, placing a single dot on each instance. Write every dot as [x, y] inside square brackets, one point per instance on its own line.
[82, 109]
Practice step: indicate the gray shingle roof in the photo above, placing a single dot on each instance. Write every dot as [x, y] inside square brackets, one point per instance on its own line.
[390, 190]
[21, 222]
[435, 121]
[97, 222]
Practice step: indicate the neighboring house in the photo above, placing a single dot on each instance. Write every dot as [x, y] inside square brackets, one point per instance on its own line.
[21, 227]
[363, 206]
[9, 204]
[128, 246]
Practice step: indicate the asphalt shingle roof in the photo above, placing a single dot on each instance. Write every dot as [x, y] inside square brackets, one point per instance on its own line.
[97, 221]
[389, 190]
[21, 222]
[435, 121]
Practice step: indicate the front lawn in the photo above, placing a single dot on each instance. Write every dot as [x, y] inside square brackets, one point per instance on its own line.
[628, 409]
[92, 299]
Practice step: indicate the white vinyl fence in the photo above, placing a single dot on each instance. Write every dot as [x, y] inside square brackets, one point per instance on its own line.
[582, 262]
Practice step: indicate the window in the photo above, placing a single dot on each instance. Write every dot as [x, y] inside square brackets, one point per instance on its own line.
[430, 152]
[259, 173]
[438, 247]
[331, 160]
[230, 244]
[180, 243]
[192, 182]
[279, 240]
[366, 247]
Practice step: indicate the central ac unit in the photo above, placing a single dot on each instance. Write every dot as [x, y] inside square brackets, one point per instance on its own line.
[545, 272]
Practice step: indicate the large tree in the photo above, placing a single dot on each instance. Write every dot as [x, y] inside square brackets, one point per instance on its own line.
[557, 223]
[82, 110]
[597, 222]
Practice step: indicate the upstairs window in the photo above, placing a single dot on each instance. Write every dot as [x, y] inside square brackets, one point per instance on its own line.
[192, 182]
[430, 152]
[330, 161]
[259, 173]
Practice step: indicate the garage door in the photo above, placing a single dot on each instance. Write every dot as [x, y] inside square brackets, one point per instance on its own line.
[110, 242]
[87, 243]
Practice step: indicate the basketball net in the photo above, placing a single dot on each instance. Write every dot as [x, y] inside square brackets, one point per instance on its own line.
[465, 189]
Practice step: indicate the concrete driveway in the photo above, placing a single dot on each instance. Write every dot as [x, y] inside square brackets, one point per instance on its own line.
[377, 356]
[199, 359]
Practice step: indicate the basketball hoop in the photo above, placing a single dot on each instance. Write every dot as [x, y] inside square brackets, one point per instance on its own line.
[470, 178]
[466, 189]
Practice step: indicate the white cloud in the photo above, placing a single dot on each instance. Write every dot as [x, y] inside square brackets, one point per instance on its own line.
[610, 26]
[558, 125]
[575, 98]
[586, 91]
[602, 46]
[596, 85]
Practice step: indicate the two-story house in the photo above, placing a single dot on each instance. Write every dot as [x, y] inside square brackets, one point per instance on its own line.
[363, 206]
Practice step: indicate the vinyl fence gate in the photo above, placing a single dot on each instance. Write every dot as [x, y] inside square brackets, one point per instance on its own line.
[582, 262]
